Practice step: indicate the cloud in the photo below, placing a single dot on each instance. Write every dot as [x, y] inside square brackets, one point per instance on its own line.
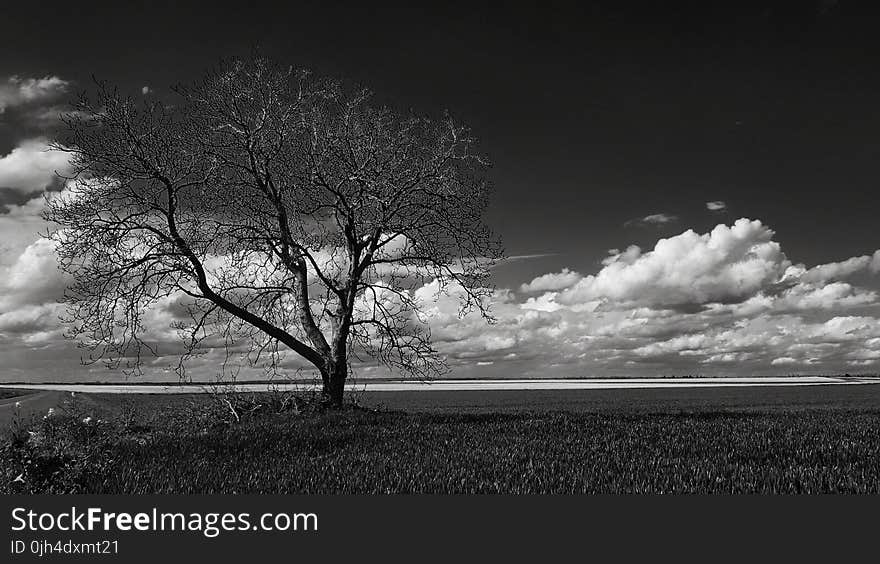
[34, 277]
[552, 281]
[18, 91]
[835, 295]
[729, 264]
[19, 227]
[653, 219]
[32, 166]
[842, 269]
[35, 323]
[31, 284]
[639, 340]
[716, 206]
[724, 302]
[768, 341]
[659, 218]
[783, 360]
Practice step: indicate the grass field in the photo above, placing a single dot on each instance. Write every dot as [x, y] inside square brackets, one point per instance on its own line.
[6, 393]
[658, 400]
[188, 444]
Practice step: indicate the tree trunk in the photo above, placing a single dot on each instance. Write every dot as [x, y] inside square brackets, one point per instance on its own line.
[334, 383]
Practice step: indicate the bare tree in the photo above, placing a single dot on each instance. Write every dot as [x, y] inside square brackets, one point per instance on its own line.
[275, 209]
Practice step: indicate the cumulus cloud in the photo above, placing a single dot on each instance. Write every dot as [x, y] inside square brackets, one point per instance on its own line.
[654, 219]
[31, 284]
[552, 281]
[33, 278]
[724, 302]
[842, 269]
[835, 295]
[769, 341]
[30, 290]
[32, 166]
[716, 206]
[35, 323]
[731, 263]
[19, 228]
[19, 91]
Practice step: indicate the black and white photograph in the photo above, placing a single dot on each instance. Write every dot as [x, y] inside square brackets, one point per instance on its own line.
[446, 248]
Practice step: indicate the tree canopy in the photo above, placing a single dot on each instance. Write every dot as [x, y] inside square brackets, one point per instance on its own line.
[281, 211]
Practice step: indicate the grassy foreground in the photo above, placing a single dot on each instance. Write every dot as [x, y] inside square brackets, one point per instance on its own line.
[270, 446]
[6, 393]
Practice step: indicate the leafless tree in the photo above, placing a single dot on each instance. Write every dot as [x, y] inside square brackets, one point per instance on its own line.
[276, 209]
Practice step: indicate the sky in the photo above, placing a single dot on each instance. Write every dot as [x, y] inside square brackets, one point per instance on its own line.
[688, 188]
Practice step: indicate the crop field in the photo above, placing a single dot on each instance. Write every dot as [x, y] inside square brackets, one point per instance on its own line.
[670, 400]
[262, 444]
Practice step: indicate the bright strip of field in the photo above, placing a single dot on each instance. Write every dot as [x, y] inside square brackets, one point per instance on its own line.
[471, 385]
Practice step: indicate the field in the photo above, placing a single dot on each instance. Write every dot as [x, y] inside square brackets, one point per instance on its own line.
[823, 439]
[6, 393]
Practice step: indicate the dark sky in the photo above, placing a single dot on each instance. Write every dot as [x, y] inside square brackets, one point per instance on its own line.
[593, 114]
[597, 116]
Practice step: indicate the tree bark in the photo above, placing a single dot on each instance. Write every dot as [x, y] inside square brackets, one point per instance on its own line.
[334, 377]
